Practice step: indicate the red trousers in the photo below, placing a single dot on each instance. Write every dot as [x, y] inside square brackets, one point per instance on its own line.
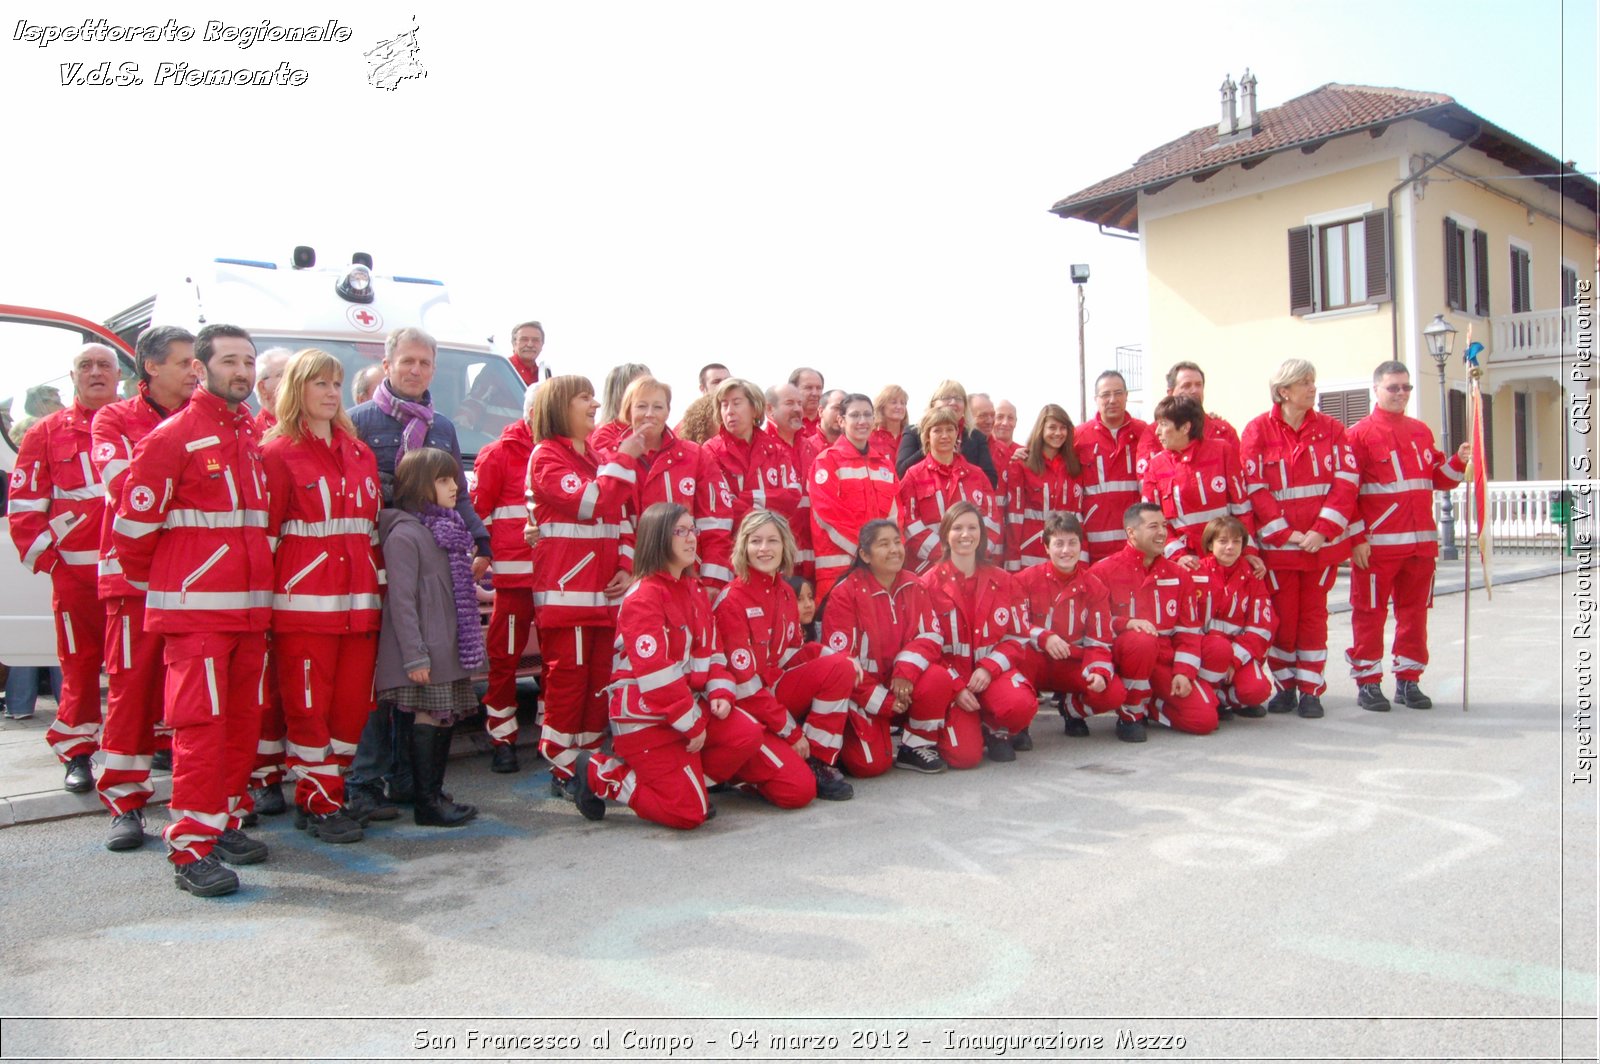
[1067, 677]
[1007, 704]
[326, 685]
[1249, 684]
[271, 758]
[1299, 653]
[868, 739]
[740, 750]
[134, 675]
[577, 669]
[510, 625]
[815, 691]
[80, 644]
[1145, 663]
[1408, 582]
[215, 689]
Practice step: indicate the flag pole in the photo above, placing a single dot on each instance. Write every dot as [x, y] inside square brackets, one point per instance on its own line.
[1466, 545]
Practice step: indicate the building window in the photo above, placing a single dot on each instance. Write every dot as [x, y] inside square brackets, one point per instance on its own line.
[1521, 291]
[1341, 264]
[1569, 286]
[1466, 276]
[1346, 407]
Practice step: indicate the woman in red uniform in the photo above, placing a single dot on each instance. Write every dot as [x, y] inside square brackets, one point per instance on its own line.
[1193, 479]
[935, 484]
[884, 619]
[888, 422]
[614, 415]
[986, 636]
[323, 502]
[850, 484]
[1236, 611]
[1039, 483]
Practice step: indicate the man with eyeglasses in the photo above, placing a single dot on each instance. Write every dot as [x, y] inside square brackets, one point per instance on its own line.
[1108, 447]
[1400, 468]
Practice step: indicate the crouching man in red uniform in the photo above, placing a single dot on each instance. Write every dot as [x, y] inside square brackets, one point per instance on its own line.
[192, 531]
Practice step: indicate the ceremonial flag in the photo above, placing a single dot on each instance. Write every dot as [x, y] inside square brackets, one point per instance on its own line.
[1478, 467]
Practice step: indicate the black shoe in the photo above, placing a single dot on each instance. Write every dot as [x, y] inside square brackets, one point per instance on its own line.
[1310, 706]
[590, 804]
[1077, 726]
[1224, 713]
[567, 788]
[161, 760]
[503, 759]
[1284, 701]
[237, 848]
[831, 784]
[205, 878]
[920, 759]
[1131, 731]
[249, 820]
[364, 805]
[997, 745]
[80, 775]
[127, 831]
[337, 826]
[1022, 741]
[1408, 694]
[269, 800]
[430, 753]
[1370, 696]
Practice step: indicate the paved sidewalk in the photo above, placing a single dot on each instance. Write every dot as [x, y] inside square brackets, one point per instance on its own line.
[30, 777]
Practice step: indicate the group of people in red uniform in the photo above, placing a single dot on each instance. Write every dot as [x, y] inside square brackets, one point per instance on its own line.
[1175, 572]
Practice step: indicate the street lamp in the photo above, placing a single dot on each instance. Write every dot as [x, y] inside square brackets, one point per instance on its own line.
[1080, 277]
[1440, 338]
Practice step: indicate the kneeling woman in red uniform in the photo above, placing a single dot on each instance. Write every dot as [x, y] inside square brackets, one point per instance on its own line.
[1236, 610]
[986, 637]
[884, 619]
[797, 690]
[672, 713]
[322, 512]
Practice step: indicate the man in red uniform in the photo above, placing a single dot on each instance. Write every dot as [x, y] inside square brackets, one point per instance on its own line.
[57, 506]
[269, 371]
[527, 344]
[809, 383]
[1400, 469]
[168, 375]
[1108, 447]
[192, 530]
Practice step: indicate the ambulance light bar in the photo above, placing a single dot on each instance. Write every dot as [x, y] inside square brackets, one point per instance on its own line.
[355, 286]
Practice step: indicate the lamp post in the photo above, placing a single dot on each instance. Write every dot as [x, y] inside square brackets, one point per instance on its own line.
[1440, 338]
[1080, 277]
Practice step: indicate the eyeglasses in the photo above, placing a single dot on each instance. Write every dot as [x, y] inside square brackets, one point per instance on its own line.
[1112, 395]
[1397, 389]
[684, 533]
[859, 415]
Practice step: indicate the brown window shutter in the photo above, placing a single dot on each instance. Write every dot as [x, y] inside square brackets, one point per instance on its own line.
[1332, 404]
[1377, 226]
[1480, 257]
[1300, 252]
[1454, 283]
[1569, 286]
[1519, 297]
[1357, 405]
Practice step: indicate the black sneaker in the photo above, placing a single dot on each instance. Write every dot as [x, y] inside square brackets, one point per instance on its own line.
[1284, 701]
[590, 804]
[997, 745]
[1370, 696]
[503, 759]
[831, 784]
[920, 759]
[1022, 741]
[269, 800]
[1077, 726]
[205, 878]
[363, 805]
[1131, 731]
[127, 831]
[1408, 694]
[80, 775]
[161, 760]
[1310, 706]
[1250, 711]
[237, 848]
[337, 826]
[1224, 712]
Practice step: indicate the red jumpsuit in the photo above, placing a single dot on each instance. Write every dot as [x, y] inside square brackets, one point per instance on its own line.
[1076, 607]
[1400, 469]
[893, 634]
[680, 471]
[322, 514]
[1301, 480]
[763, 474]
[192, 530]
[1237, 615]
[134, 672]
[500, 498]
[1110, 480]
[927, 491]
[57, 508]
[847, 489]
[1030, 499]
[1201, 482]
[1163, 594]
[779, 679]
[985, 621]
[579, 506]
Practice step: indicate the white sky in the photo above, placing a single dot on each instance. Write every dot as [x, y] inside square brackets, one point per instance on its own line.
[860, 186]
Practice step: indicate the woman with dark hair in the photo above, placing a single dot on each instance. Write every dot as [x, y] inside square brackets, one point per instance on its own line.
[849, 484]
[936, 483]
[884, 619]
[1193, 480]
[1039, 483]
[984, 616]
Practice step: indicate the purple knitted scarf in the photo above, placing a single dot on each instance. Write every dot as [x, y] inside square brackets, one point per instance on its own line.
[450, 533]
[415, 418]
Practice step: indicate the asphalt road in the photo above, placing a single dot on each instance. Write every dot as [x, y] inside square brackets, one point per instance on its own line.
[1271, 891]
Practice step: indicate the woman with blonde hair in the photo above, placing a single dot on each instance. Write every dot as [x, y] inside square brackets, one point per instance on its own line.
[888, 421]
[930, 488]
[973, 445]
[1039, 482]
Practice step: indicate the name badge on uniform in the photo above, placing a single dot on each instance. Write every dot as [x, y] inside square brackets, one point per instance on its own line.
[206, 441]
[754, 611]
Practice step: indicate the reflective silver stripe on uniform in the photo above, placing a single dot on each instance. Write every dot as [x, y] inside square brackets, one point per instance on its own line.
[1396, 488]
[652, 681]
[836, 560]
[566, 530]
[851, 473]
[591, 495]
[713, 524]
[618, 470]
[80, 557]
[748, 688]
[1111, 485]
[1305, 491]
[1191, 660]
[208, 600]
[96, 490]
[211, 519]
[338, 526]
[1273, 527]
[912, 657]
[1451, 473]
[1198, 517]
[29, 505]
[326, 603]
[1395, 539]
[113, 469]
[716, 572]
[38, 547]
[1330, 514]
[508, 568]
[515, 513]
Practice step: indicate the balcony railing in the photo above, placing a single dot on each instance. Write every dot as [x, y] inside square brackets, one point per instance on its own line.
[1130, 363]
[1532, 334]
[1521, 514]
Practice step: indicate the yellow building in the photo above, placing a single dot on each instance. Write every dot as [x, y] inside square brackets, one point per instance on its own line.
[1334, 228]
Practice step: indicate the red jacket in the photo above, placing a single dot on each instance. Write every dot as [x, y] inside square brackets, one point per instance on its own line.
[892, 633]
[1162, 594]
[758, 629]
[529, 374]
[984, 617]
[500, 495]
[266, 420]
[1301, 480]
[579, 506]
[1217, 430]
[881, 442]
[604, 439]
[192, 525]
[666, 655]
[1236, 603]
[1110, 480]
[322, 517]
[927, 491]
[1030, 499]
[57, 504]
[762, 473]
[1194, 485]
[1400, 469]
[118, 427]
[680, 471]
[847, 489]
[1074, 606]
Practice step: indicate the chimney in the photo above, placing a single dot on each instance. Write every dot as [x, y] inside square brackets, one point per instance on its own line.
[1230, 115]
[1248, 122]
